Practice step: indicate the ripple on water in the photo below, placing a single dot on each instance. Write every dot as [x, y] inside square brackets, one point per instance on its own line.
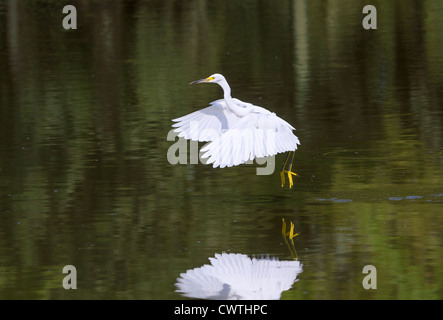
[413, 197]
[337, 200]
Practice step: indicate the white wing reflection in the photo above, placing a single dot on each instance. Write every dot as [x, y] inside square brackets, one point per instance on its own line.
[234, 276]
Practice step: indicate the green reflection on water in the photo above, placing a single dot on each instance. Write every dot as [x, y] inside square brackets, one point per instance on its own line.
[84, 117]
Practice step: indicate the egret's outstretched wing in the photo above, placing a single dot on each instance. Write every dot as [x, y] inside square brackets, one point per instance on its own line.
[202, 283]
[206, 124]
[236, 276]
[255, 278]
[259, 134]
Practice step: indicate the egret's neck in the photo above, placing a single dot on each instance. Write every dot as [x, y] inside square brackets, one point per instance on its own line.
[239, 111]
[226, 90]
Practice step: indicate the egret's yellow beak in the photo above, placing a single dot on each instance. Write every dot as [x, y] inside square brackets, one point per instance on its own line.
[209, 79]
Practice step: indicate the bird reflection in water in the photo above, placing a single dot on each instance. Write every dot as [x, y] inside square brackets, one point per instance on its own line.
[235, 276]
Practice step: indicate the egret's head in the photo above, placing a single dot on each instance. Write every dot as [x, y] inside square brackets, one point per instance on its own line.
[214, 78]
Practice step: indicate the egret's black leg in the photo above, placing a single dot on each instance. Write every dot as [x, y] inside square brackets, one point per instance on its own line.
[282, 171]
[288, 170]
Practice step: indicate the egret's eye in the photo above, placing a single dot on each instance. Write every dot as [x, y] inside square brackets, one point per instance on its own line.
[211, 78]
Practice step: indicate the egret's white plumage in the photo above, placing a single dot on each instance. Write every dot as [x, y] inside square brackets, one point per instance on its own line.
[237, 277]
[237, 131]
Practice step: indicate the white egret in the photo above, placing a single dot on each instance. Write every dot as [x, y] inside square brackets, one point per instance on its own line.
[234, 276]
[238, 131]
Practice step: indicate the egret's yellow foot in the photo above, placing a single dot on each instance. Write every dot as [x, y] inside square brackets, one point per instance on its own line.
[290, 174]
[291, 235]
[288, 171]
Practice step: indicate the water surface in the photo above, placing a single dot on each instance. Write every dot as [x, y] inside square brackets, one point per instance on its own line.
[84, 119]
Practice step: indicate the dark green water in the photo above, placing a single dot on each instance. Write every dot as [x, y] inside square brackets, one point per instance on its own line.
[84, 119]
